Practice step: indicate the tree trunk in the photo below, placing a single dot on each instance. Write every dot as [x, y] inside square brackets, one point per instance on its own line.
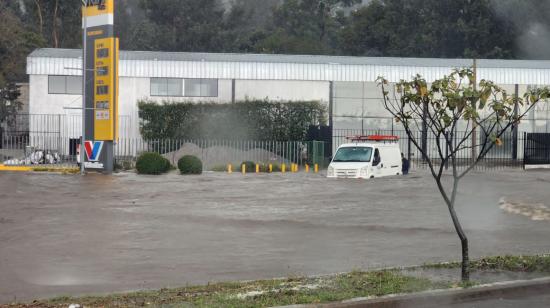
[322, 22]
[40, 19]
[425, 132]
[54, 31]
[465, 259]
[464, 244]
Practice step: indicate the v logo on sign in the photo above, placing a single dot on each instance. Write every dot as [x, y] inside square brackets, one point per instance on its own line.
[93, 150]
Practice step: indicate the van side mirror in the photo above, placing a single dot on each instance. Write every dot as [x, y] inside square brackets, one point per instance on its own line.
[376, 161]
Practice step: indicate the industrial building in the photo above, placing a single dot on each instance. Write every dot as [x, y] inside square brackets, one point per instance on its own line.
[345, 84]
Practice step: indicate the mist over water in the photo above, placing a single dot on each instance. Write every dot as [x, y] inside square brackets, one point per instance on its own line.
[531, 26]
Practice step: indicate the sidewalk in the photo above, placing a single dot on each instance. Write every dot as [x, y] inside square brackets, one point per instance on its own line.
[449, 298]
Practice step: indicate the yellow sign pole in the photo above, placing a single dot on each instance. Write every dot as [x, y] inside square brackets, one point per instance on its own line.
[100, 97]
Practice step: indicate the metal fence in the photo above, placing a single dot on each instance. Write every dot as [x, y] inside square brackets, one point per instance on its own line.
[41, 149]
[219, 153]
[52, 150]
[507, 155]
[537, 148]
[52, 139]
[59, 125]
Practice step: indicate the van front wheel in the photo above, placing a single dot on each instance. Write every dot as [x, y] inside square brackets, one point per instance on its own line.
[372, 176]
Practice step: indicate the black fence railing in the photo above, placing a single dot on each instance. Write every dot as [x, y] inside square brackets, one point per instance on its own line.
[537, 148]
[515, 150]
[509, 153]
[43, 149]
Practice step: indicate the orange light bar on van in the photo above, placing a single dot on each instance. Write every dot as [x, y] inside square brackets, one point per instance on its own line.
[373, 138]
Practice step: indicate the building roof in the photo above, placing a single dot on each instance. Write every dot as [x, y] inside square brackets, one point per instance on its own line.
[308, 59]
[289, 67]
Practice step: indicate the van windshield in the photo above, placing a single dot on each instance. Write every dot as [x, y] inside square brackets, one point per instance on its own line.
[353, 154]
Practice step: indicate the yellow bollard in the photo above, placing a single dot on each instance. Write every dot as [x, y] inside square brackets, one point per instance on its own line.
[307, 168]
[229, 168]
[270, 168]
[283, 168]
[243, 168]
[316, 168]
[257, 168]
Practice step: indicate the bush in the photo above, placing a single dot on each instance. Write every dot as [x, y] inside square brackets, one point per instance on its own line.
[152, 163]
[250, 166]
[265, 168]
[190, 165]
[123, 165]
[276, 168]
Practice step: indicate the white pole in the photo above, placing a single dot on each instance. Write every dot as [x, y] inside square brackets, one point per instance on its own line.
[84, 51]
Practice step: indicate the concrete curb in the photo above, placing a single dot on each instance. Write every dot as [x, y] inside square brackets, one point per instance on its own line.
[36, 169]
[14, 168]
[441, 298]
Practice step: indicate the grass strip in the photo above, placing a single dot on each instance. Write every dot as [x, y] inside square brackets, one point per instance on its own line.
[264, 293]
[527, 264]
[296, 290]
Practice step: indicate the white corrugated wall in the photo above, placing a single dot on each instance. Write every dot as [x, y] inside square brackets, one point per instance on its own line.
[283, 71]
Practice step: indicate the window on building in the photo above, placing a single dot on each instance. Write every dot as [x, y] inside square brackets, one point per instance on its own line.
[166, 87]
[65, 85]
[74, 85]
[56, 85]
[201, 87]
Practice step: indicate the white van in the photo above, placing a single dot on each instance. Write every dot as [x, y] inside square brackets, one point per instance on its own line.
[367, 158]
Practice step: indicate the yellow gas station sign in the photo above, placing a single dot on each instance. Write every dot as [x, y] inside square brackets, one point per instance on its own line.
[106, 88]
[100, 104]
[98, 7]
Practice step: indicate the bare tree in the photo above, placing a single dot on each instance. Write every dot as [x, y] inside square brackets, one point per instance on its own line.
[54, 25]
[40, 18]
[452, 109]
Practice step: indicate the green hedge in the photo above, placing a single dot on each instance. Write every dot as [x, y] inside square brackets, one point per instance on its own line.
[265, 168]
[245, 120]
[152, 163]
[250, 166]
[190, 165]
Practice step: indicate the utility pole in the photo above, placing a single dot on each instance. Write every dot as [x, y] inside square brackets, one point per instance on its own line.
[84, 51]
[474, 131]
[515, 127]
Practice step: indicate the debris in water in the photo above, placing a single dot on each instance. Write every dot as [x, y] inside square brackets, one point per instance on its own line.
[534, 211]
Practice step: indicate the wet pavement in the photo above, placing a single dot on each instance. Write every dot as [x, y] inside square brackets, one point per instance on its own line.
[73, 235]
[531, 301]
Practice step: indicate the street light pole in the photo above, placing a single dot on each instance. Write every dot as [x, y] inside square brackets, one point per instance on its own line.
[83, 139]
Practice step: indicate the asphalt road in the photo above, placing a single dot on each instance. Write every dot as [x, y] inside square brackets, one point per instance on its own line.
[73, 235]
[532, 301]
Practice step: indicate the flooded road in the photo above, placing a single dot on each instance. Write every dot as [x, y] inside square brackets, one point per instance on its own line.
[72, 235]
